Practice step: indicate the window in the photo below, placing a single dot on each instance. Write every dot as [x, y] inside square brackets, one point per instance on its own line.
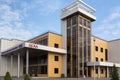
[42, 70]
[43, 41]
[68, 22]
[56, 58]
[106, 51]
[89, 24]
[80, 20]
[102, 59]
[56, 71]
[96, 59]
[96, 71]
[101, 49]
[96, 48]
[74, 20]
[56, 45]
[106, 54]
[84, 22]
[102, 71]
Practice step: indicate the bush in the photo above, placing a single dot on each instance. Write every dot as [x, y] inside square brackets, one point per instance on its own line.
[7, 76]
[114, 73]
[62, 75]
[26, 77]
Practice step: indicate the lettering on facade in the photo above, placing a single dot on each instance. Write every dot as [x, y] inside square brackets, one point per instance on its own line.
[33, 46]
[12, 49]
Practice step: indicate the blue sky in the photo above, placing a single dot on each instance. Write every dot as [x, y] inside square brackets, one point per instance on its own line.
[24, 19]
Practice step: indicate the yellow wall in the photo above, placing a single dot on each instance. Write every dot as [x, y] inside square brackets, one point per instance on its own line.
[54, 38]
[101, 44]
[101, 74]
[54, 64]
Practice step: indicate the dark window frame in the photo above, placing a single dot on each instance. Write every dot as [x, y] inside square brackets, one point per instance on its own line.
[96, 59]
[96, 48]
[56, 58]
[102, 71]
[102, 59]
[101, 49]
[56, 45]
[56, 70]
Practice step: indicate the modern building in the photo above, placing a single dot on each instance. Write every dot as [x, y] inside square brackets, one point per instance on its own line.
[73, 53]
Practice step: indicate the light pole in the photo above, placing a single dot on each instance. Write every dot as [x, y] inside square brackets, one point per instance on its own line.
[94, 58]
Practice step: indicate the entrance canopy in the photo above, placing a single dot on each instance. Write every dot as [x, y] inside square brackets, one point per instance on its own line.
[107, 64]
[33, 46]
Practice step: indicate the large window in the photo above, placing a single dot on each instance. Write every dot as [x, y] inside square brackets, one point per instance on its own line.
[84, 22]
[74, 20]
[43, 41]
[43, 69]
[69, 22]
[80, 20]
[42, 59]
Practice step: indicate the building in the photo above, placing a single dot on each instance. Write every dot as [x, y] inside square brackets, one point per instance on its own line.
[74, 53]
[42, 56]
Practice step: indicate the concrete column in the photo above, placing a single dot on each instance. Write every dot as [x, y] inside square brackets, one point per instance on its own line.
[18, 65]
[98, 71]
[27, 61]
[11, 64]
[107, 72]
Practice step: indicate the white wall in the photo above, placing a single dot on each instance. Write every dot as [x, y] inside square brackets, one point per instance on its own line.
[7, 43]
[114, 51]
[5, 61]
[64, 45]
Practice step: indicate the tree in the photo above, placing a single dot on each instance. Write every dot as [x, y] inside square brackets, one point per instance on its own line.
[114, 73]
[7, 76]
[26, 77]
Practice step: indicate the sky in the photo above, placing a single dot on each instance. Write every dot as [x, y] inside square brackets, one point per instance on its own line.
[25, 19]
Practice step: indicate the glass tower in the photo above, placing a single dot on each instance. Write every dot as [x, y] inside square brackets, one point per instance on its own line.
[76, 30]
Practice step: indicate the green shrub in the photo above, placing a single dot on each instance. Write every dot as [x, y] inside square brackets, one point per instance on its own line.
[7, 76]
[26, 77]
[114, 73]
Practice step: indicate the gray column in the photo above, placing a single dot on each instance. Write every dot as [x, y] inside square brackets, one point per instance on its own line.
[98, 71]
[11, 64]
[27, 61]
[18, 65]
[107, 72]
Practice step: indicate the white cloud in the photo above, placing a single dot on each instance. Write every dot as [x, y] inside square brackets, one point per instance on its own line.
[45, 7]
[14, 12]
[109, 28]
[115, 14]
[14, 33]
[11, 23]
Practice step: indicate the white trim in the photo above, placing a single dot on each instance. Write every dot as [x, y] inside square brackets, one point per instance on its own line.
[35, 46]
[18, 65]
[109, 64]
[78, 7]
[45, 48]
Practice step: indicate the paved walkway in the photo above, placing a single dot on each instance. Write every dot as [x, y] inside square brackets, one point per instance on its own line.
[59, 79]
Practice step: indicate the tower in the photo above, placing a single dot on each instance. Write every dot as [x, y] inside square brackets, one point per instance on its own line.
[76, 22]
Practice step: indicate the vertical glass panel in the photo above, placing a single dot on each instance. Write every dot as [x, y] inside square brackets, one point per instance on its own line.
[69, 22]
[74, 20]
